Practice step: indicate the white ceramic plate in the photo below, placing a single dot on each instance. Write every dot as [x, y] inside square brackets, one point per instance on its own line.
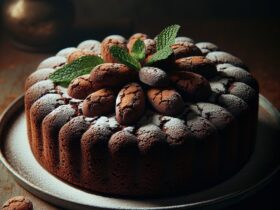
[17, 157]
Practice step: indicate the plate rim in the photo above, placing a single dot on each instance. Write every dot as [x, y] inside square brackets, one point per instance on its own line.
[17, 104]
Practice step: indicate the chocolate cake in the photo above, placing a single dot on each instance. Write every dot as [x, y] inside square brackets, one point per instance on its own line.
[175, 126]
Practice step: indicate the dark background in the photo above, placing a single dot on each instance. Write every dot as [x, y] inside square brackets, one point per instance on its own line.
[126, 16]
[147, 10]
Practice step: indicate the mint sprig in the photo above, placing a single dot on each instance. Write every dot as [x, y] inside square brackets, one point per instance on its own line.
[81, 66]
[138, 50]
[167, 37]
[160, 55]
[123, 57]
[85, 64]
[164, 41]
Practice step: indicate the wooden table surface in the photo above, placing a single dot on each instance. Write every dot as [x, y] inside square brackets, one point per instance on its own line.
[257, 42]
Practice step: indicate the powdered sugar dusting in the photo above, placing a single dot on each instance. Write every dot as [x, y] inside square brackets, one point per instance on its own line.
[61, 114]
[222, 66]
[101, 121]
[113, 122]
[118, 99]
[217, 115]
[183, 39]
[52, 62]
[173, 126]
[36, 76]
[66, 52]
[219, 85]
[104, 121]
[200, 127]
[129, 129]
[236, 72]
[152, 76]
[114, 36]
[206, 47]
[42, 73]
[224, 57]
[233, 104]
[172, 123]
[149, 128]
[150, 131]
[48, 101]
[156, 119]
[243, 91]
[240, 75]
[91, 45]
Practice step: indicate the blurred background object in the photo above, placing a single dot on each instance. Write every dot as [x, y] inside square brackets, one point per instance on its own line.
[38, 24]
[42, 24]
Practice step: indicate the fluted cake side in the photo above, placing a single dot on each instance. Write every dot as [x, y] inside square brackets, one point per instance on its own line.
[206, 135]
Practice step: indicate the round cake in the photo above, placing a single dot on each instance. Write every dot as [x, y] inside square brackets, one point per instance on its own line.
[149, 121]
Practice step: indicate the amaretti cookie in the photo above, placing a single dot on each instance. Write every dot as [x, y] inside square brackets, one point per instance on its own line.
[142, 116]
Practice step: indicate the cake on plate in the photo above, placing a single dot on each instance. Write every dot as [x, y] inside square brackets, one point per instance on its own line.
[143, 116]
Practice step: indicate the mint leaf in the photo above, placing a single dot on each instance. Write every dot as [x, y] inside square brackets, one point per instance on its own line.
[123, 57]
[167, 37]
[164, 41]
[160, 55]
[81, 66]
[138, 50]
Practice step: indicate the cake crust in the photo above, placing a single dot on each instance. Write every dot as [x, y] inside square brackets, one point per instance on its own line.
[185, 123]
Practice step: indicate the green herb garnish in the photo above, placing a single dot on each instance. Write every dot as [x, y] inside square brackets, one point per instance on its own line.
[124, 57]
[160, 55]
[81, 66]
[167, 37]
[138, 50]
[164, 41]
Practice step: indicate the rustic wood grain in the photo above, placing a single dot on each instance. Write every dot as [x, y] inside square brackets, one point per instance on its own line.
[9, 188]
[255, 41]
[15, 66]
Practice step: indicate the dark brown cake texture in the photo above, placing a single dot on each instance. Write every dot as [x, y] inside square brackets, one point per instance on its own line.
[176, 126]
[100, 102]
[130, 104]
